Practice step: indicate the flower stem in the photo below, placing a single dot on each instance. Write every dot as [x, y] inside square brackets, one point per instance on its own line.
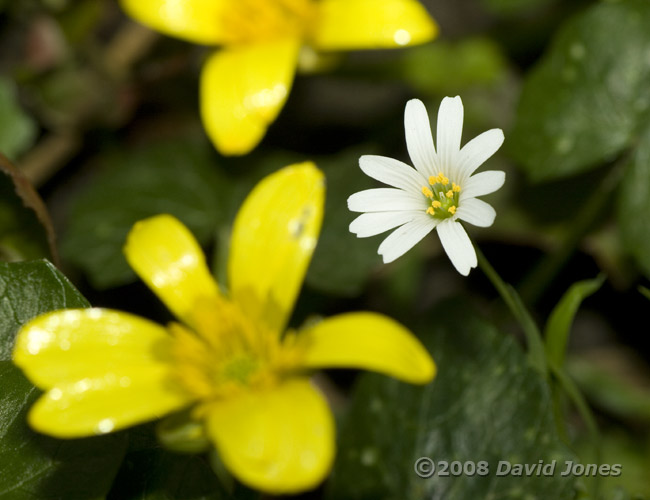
[539, 359]
[536, 350]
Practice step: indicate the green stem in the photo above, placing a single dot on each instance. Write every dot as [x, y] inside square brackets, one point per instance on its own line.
[536, 350]
[578, 400]
[536, 282]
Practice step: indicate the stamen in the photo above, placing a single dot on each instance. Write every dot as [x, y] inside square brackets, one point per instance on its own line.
[450, 194]
[432, 180]
[452, 209]
[455, 187]
[430, 210]
[436, 204]
[427, 192]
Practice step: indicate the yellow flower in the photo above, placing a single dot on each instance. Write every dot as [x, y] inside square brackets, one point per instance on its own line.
[244, 86]
[229, 361]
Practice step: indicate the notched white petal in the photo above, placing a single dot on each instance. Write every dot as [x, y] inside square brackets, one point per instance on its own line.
[457, 245]
[371, 224]
[419, 140]
[392, 172]
[476, 212]
[482, 183]
[386, 200]
[405, 237]
[478, 150]
[449, 132]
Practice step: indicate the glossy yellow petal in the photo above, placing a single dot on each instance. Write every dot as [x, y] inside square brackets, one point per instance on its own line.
[194, 20]
[369, 24]
[279, 440]
[370, 341]
[104, 370]
[97, 405]
[163, 252]
[273, 238]
[69, 345]
[243, 89]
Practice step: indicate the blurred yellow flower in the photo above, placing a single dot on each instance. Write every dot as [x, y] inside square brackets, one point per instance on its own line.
[245, 383]
[245, 84]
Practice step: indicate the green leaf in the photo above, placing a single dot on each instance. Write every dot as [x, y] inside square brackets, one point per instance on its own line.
[559, 322]
[609, 388]
[32, 465]
[486, 404]
[17, 129]
[582, 104]
[634, 204]
[35, 466]
[158, 474]
[472, 61]
[178, 178]
[28, 289]
[342, 262]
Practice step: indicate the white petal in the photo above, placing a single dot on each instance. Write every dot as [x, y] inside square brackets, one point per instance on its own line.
[458, 246]
[476, 212]
[378, 222]
[450, 129]
[482, 183]
[393, 172]
[419, 141]
[406, 237]
[478, 150]
[386, 200]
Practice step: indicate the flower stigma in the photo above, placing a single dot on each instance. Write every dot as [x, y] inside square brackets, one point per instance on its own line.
[442, 195]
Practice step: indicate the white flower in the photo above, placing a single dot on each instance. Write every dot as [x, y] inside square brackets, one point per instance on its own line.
[439, 193]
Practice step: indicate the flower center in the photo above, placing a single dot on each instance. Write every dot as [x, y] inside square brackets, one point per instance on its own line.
[247, 21]
[442, 195]
[227, 352]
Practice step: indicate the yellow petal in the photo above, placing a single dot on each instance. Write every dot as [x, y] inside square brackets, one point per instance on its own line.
[370, 341]
[97, 405]
[194, 20]
[369, 24]
[163, 252]
[104, 369]
[279, 440]
[243, 89]
[273, 238]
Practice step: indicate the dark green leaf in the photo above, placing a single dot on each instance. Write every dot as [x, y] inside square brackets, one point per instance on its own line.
[559, 322]
[582, 104]
[178, 178]
[609, 388]
[634, 205]
[32, 465]
[158, 474]
[17, 129]
[28, 289]
[486, 404]
[342, 262]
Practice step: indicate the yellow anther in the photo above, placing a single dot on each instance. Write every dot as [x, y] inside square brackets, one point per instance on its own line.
[427, 192]
[455, 187]
[452, 209]
[432, 180]
[450, 193]
[444, 180]
[436, 204]
[430, 211]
